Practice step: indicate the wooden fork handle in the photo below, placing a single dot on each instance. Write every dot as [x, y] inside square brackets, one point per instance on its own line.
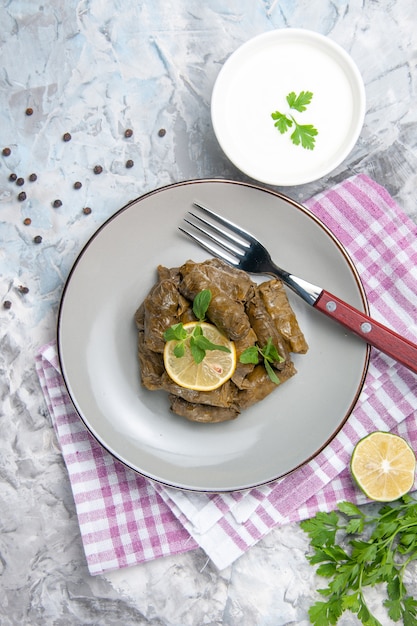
[374, 333]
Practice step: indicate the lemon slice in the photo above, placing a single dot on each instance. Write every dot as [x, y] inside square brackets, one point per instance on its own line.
[384, 466]
[214, 370]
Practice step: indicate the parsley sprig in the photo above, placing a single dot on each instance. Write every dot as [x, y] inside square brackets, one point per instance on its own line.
[354, 551]
[303, 134]
[199, 344]
[268, 353]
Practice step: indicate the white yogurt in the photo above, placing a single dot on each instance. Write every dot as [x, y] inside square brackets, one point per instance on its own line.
[254, 83]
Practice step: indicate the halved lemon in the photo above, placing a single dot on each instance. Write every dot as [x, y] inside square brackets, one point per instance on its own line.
[383, 466]
[213, 371]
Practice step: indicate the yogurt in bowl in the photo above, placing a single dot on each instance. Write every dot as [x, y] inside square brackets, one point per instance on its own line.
[254, 91]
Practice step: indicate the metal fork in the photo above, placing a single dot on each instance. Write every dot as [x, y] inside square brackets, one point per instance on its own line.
[227, 241]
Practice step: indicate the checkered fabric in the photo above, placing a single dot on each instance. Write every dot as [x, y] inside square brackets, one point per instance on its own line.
[126, 519]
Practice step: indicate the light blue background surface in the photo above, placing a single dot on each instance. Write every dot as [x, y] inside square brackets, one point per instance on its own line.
[94, 68]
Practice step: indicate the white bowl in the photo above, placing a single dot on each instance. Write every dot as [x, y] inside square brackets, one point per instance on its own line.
[255, 81]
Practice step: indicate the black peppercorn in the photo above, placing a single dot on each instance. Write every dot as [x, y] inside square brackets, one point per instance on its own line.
[86, 210]
[66, 137]
[21, 196]
[128, 132]
[97, 169]
[6, 152]
[20, 181]
[57, 203]
[77, 185]
[23, 289]
[32, 178]
[37, 239]
[162, 132]
[129, 163]
[13, 177]
[7, 304]
[29, 111]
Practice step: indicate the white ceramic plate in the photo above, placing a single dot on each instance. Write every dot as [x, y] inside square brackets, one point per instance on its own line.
[255, 81]
[97, 343]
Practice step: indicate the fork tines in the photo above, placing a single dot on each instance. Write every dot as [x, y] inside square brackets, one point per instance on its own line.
[220, 242]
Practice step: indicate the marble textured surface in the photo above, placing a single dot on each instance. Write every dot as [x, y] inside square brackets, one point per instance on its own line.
[94, 68]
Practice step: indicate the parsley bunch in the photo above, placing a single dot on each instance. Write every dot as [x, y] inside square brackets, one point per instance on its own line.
[199, 344]
[303, 133]
[379, 549]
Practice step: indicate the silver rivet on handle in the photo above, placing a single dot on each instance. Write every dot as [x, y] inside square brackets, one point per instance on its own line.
[331, 306]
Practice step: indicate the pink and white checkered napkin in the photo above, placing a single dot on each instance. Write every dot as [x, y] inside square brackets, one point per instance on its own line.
[126, 519]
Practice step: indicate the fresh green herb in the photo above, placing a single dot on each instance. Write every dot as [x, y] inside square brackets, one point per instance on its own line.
[303, 134]
[269, 354]
[201, 304]
[300, 102]
[199, 344]
[354, 551]
[177, 332]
